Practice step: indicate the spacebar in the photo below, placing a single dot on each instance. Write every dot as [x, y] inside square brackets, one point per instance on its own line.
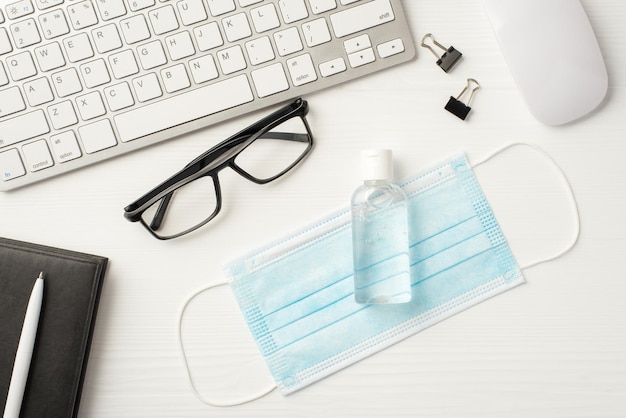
[183, 108]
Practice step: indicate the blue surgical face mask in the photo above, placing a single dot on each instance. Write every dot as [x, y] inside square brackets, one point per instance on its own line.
[296, 294]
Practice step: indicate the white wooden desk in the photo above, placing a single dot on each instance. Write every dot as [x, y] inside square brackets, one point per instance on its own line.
[554, 347]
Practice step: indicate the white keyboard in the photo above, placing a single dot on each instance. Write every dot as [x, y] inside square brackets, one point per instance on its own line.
[85, 80]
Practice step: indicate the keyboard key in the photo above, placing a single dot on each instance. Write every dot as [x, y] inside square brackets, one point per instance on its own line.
[11, 101]
[332, 67]
[90, 105]
[23, 127]
[97, 136]
[140, 4]
[245, 3]
[301, 69]
[270, 80]
[175, 110]
[147, 87]
[5, 42]
[360, 58]
[53, 24]
[66, 82]
[78, 47]
[357, 44]
[95, 73]
[361, 17]
[82, 14]
[37, 155]
[191, 11]
[62, 114]
[11, 165]
[46, 4]
[260, 50]
[25, 33]
[49, 56]
[119, 96]
[203, 69]
[265, 18]
[288, 41]
[38, 92]
[293, 10]
[236, 27]
[65, 146]
[179, 46]
[175, 78]
[163, 20]
[321, 6]
[110, 9]
[123, 64]
[219, 7]
[4, 77]
[231, 59]
[151, 55]
[21, 66]
[106, 38]
[135, 29]
[316, 32]
[18, 9]
[390, 48]
[208, 36]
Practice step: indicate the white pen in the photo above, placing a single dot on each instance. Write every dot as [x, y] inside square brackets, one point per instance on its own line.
[21, 366]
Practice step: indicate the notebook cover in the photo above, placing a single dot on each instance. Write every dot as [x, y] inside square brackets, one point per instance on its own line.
[72, 287]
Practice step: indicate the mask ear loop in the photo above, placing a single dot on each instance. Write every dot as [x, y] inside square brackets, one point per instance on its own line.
[569, 188]
[210, 402]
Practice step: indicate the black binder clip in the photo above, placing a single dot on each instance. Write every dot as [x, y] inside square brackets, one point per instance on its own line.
[458, 108]
[449, 58]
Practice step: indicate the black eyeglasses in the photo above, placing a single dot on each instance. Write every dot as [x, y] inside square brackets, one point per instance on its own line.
[261, 153]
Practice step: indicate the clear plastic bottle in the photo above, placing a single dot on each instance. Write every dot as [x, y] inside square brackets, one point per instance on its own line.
[380, 239]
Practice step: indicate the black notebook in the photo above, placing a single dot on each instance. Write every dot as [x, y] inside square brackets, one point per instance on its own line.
[72, 286]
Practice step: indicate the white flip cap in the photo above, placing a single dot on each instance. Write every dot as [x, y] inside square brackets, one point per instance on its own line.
[376, 164]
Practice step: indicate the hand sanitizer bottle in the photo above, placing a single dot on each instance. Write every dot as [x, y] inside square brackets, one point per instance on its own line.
[380, 238]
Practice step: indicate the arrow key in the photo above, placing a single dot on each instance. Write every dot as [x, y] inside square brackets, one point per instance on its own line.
[357, 44]
[332, 67]
[361, 58]
[390, 48]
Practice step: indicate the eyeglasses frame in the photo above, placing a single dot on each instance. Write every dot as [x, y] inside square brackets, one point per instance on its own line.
[214, 160]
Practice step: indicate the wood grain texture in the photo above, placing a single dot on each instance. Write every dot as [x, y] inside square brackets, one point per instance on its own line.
[554, 347]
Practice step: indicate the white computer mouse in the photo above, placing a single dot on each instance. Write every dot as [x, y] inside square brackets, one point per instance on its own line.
[553, 55]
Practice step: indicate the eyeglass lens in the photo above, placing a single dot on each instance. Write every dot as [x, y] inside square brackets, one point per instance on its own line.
[275, 151]
[184, 209]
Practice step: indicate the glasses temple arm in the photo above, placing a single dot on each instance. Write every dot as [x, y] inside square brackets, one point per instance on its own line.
[160, 213]
[286, 136]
